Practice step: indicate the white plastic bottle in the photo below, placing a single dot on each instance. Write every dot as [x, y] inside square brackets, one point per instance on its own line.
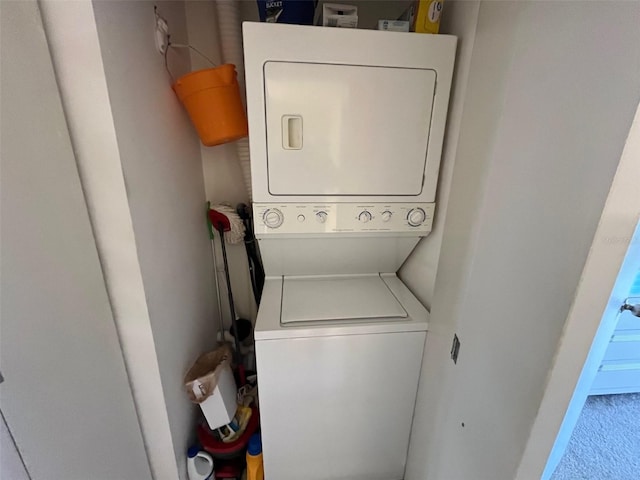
[199, 464]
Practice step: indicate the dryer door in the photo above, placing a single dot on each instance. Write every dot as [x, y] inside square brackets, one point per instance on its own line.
[345, 130]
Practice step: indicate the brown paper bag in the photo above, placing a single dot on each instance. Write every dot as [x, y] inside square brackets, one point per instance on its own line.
[202, 378]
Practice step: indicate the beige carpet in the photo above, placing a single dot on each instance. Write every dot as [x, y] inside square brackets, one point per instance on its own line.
[605, 444]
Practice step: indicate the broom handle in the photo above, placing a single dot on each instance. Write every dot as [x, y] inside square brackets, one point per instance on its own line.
[215, 268]
[217, 280]
[232, 308]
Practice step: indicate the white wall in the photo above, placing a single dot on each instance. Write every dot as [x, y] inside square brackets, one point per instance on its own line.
[158, 266]
[420, 269]
[223, 179]
[222, 172]
[548, 105]
[66, 396]
[607, 279]
[162, 168]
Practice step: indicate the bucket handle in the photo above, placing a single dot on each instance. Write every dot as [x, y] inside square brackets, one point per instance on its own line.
[179, 45]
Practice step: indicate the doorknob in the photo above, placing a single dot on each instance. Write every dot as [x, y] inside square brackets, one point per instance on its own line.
[634, 309]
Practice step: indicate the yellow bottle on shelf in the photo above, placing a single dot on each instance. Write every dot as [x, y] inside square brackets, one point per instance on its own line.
[255, 469]
[427, 16]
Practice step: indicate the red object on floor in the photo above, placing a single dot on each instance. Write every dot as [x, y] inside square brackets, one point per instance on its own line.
[222, 450]
[229, 469]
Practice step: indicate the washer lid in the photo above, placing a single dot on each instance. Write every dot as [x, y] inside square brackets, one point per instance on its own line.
[338, 298]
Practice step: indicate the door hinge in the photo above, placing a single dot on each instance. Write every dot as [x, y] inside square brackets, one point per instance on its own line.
[455, 349]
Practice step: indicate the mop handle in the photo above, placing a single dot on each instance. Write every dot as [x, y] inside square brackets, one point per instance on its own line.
[232, 308]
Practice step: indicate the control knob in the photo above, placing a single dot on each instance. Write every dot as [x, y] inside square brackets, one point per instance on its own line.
[321, 217]
[365, 216]
[272, 218]
[386, 216]
[416, 217]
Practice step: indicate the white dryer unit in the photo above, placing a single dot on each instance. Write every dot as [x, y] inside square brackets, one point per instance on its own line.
[345, 115]
[346, 129]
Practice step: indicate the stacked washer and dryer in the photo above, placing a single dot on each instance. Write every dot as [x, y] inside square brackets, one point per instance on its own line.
[346, 131]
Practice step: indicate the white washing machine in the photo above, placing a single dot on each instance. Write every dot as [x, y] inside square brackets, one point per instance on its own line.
[346, 129]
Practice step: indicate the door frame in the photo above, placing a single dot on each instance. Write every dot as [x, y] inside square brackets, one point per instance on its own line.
[589, 321]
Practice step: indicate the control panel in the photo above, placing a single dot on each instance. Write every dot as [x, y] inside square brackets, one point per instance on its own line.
[318, 218]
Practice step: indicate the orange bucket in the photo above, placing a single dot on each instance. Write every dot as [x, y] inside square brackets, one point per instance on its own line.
[212, 99]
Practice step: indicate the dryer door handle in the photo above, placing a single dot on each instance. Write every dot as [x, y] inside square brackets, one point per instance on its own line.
[292, 132]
